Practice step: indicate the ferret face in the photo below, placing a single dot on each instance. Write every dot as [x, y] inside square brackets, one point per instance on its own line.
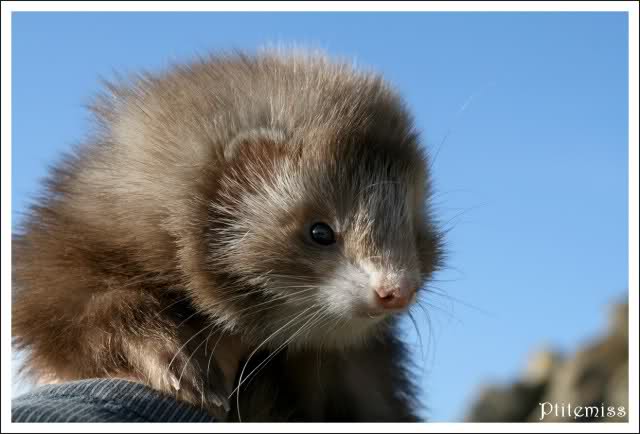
[319, 245]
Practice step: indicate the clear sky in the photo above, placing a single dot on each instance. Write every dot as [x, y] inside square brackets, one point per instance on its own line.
[529, 111]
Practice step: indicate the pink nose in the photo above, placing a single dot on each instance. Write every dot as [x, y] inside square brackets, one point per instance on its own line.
[397, 297]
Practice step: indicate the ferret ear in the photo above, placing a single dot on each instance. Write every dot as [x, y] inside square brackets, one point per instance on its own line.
[262, 137]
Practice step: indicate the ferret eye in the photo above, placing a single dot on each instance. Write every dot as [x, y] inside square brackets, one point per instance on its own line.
[322, 233]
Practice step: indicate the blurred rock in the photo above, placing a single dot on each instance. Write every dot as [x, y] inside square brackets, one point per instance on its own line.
[511, 403]
[590, 385]
[541, 366]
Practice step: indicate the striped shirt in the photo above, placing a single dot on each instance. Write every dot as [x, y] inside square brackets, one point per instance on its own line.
[102, 400]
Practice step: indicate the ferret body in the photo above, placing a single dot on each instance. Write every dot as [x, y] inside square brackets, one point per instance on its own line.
[273, 208]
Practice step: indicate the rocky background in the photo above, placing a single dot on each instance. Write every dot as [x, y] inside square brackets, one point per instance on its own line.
[596, 375]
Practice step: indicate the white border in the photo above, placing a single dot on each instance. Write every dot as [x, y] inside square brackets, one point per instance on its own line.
[633, 214]
[9, 7]
[313, 6]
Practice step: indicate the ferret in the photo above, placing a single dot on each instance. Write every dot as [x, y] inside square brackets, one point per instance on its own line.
[270, 208]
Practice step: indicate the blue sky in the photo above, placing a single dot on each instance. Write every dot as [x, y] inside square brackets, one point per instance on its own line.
[529, 111]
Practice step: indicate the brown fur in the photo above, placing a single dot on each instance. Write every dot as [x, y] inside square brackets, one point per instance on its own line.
[179, 228]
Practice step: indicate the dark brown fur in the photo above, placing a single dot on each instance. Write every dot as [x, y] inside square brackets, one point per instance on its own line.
[180, 225]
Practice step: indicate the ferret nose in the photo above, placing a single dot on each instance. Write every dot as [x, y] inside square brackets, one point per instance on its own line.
[394, 297]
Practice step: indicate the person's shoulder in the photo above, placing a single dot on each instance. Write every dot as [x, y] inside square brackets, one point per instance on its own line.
[102, 400]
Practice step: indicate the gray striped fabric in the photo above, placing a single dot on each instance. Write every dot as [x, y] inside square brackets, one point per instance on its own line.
[102, 400]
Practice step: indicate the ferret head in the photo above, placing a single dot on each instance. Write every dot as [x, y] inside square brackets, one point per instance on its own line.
[294, 188]
[318, 229]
